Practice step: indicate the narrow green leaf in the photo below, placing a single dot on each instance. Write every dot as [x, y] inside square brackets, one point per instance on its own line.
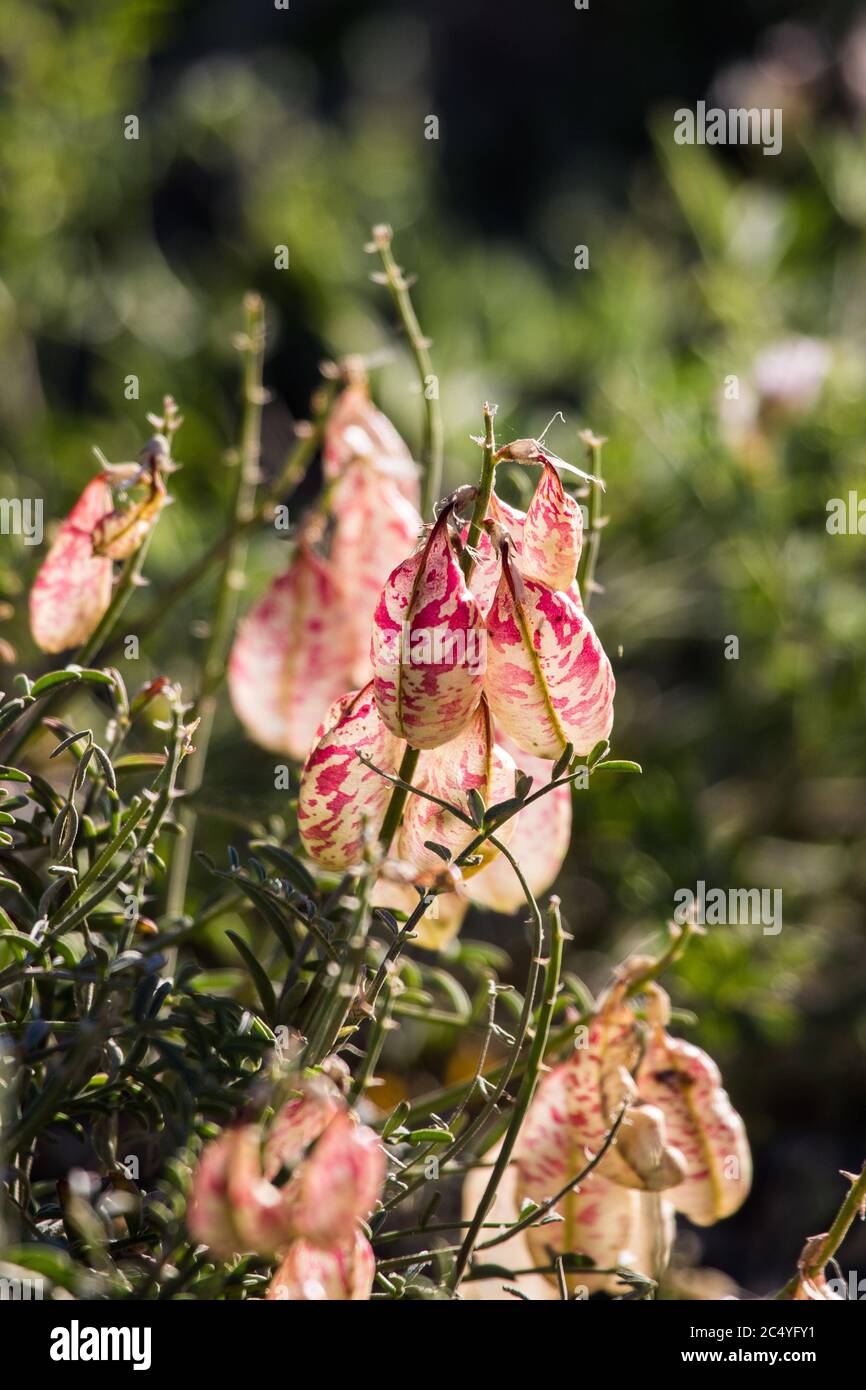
[562, 761]
[263, 985]
[442, 851]
[53, 680]
[476, 806]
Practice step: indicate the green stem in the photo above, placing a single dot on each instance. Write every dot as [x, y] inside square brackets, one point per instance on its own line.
[283, 485]
[446, 1096]
[507, 1070]
[432, 451]
[482, 499]
[592, 539]
[394, 812]
[375, 1043]
[536, 1215]
[222, 627]
[530, 1078]
[851, 1207]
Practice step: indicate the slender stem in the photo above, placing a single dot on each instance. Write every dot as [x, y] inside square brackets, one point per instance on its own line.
[528, 1085]
[214, 661]
[432, 450]
[850, 1208]
[398, 798]
[375, 1043]
[283, 485]
[825, 1247]
[539, 1212]
[130, 578]
[446, 1096]
[482, 499]
[393, 952]
[592, 539]
[507, 1070]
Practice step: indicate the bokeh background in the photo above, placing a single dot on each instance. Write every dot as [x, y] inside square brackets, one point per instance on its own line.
[303, 127]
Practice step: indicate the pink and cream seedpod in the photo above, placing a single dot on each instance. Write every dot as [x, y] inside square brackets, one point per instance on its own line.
[342, 801]
[339, 1183]
[341, 1273]
[428, 645]
[233, 1207]
[552, 533]
[471, 761]
[488, 564]
[288, 662]
[549, 681]
[336, 1171]
[72, 590]
[357, 428]
[374, 527]
[685, 1084]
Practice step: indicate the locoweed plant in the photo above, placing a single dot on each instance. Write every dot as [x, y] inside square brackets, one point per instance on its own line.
[429, 668]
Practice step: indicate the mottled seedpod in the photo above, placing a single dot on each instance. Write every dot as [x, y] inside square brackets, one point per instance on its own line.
[552, 533]
[331, 1170]
[539, 843]
[683, 1082]
[614, 1226]
[513, 1253]
[568, 1118]
[289, 657]
[72, 590]
[356, 427]
[429, 645]
[374, 527]
[470, 762]
[342, 800]
[312, 1274]
[549, 681]
[338, 1183]
[232, 1206]
[299, 1123]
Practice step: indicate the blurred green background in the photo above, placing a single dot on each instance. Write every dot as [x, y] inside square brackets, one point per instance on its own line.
[302, 127]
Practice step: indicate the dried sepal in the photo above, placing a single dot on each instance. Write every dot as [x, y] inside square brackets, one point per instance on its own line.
[121, 532]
